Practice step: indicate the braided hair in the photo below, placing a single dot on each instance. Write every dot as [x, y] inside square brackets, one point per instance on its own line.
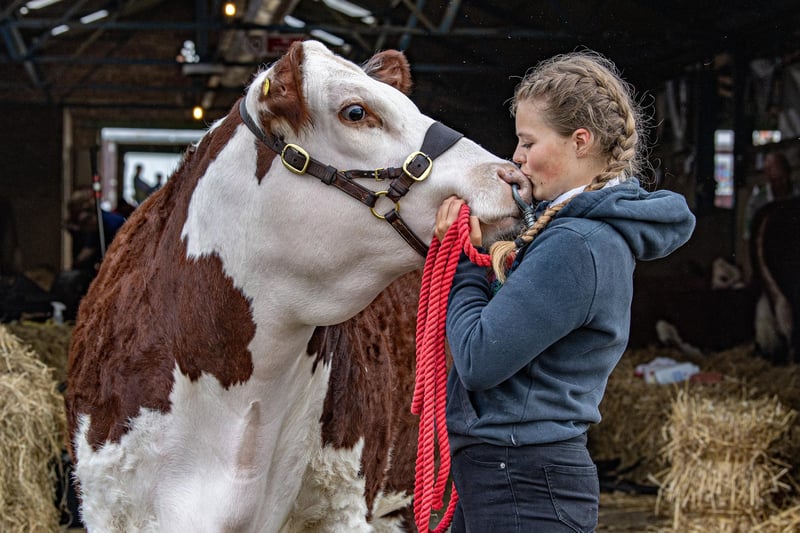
[580, 90]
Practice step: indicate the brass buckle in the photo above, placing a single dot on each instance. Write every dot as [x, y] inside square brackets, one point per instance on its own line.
[375, 213]
[377, 174]
[408, 162]
[299, 151]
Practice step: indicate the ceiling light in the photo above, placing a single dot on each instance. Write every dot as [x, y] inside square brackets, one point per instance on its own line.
[94, 17]
[294, 22]
[347, 8]
[197, 112]
[229, 9]
[327, 37]
[58, 30]
[39, 4]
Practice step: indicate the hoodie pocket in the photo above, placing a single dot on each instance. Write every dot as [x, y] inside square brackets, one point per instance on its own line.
[466, 412]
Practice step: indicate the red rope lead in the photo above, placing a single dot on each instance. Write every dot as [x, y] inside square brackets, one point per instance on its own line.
[431, 380]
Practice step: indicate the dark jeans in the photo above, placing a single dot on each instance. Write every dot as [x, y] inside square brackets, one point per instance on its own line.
[528, 489]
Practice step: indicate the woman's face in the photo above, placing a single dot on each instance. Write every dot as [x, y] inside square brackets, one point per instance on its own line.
[550, 160]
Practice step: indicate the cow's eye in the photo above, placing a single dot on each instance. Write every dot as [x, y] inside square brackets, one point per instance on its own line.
[354, 113]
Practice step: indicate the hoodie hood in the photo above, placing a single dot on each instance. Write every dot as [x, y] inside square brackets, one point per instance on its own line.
[654, 224]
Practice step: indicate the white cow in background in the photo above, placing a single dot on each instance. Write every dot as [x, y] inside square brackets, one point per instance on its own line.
[196, 384]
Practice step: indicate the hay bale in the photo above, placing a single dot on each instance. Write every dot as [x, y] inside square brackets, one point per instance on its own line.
[758, 374]
[32, 430]
[787, 521]
[50, 342]
[726, 473]
[634, 414]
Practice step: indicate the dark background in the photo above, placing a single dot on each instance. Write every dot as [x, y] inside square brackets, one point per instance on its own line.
[697, 67]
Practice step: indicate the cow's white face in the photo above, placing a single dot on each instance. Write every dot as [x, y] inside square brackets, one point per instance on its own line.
[345, 118]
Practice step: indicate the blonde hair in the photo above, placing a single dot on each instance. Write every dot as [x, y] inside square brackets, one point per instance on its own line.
[580, 90]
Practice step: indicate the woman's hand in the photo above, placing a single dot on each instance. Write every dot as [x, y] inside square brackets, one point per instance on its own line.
[448, 214]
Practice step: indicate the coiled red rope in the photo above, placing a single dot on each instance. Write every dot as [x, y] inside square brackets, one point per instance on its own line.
[431, 374]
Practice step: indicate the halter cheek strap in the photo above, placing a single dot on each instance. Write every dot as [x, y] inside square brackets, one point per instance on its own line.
[417, 166]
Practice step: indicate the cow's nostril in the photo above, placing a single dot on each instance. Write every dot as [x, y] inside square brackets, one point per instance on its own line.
[514, 176]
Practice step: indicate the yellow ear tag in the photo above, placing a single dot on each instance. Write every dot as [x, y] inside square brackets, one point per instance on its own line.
[266, 86]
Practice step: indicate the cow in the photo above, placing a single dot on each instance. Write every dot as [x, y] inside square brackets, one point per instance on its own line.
[368, 404]
[212, 385]
[775, 259]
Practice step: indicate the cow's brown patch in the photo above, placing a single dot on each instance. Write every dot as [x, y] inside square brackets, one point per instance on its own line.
[372, 361]
[151, 308]
[285, 96]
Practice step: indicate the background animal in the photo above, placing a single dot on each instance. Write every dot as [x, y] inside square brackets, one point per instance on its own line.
[775, 255]
[206, 390]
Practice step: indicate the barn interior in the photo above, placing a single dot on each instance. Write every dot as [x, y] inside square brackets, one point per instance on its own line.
[91, 88]
[72, 70]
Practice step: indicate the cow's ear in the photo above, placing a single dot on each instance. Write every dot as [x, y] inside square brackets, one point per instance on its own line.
[282, 89]
[390, 67]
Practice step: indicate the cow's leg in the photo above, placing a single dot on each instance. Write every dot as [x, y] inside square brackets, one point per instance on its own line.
[389, 514]
[768, 339]
[794, 338]
[332, 495]
[332, 498]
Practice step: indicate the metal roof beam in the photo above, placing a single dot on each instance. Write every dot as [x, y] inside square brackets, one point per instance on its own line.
[18, 50]
[40, 41]
[477, 31]
[449, 15]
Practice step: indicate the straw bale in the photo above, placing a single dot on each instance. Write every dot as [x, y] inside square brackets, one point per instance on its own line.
[787, 521]
[757, 373]
[718, 522]
[762, 377]
[724, 466]
[634, 413]
[50, 342]
[32, 429]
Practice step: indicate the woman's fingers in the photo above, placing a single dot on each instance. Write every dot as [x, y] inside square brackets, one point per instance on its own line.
[475, 235]
[447, 214]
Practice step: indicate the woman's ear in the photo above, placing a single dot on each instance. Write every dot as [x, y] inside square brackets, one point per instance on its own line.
[583, 140]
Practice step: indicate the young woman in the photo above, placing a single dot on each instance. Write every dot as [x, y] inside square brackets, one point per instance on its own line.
[532, 358]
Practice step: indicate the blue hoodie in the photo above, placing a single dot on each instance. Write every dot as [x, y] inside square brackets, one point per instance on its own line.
[531, 363]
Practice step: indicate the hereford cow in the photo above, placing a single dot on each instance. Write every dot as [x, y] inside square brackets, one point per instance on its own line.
[206, 390]
[775, 258]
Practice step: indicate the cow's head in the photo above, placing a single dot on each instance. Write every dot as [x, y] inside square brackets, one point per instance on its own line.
[337, 112]
[352, 117]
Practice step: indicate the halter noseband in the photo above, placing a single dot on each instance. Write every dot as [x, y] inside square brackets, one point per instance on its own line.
[416, 167]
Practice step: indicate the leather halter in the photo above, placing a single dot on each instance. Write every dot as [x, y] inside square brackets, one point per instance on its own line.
[416, 167]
